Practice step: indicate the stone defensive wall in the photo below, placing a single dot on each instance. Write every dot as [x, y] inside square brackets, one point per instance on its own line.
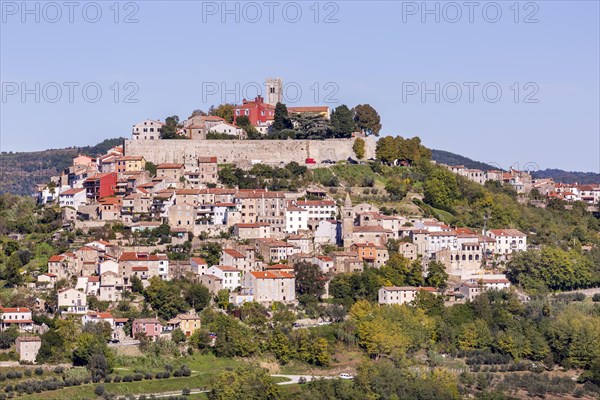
[243, 152]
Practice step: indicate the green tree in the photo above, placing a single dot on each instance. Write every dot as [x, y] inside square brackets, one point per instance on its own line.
[12, 270]
[342, 121]
[243, 121]
[310, 126]
[169, 130]
[197, 296]
[441, 190]
[367, 119]
[243, 383]
[8, 337]
[136, 284]
[359, 148]
[222, 299]
[436, 275]
[396, 188]
[224, 111]
[551, 268]
[177, 336]
[165, 298]
[88, 344]
[310, 280]
[100, 329]
[281, 120]
[151, 168]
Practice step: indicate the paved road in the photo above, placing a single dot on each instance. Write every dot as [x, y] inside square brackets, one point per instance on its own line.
[296, 378]
[292, 379]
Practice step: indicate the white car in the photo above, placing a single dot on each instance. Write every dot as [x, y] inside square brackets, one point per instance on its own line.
[346, 376]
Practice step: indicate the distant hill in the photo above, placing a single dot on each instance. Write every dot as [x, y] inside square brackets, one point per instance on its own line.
[445, 157]
[20, 172]
[558, 175]
[567, 176]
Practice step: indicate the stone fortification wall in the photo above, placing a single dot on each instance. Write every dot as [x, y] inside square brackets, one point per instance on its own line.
[243, 152]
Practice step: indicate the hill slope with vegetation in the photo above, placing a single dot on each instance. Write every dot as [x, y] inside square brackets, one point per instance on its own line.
[20, 172]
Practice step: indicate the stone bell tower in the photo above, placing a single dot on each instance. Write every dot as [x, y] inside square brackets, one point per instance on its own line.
[274, 89]
[347, 222]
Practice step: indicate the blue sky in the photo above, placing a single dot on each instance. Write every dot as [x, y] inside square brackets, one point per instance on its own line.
[410, 64]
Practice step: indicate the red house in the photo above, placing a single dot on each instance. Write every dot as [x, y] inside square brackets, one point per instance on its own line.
[151, 327]
[257, 111]
[100, 185]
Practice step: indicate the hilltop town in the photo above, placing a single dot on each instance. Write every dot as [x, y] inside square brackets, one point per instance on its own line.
[298, 234]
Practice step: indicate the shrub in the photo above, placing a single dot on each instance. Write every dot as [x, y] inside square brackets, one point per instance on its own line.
[185, 370]
[39, 371]
[59, 370]
[99, 390]
[596, 297]
[117, 379]
[148, 376]
[186, 391]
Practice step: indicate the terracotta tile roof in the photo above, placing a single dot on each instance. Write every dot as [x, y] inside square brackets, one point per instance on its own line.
[146, 321]
[359, 229]
[325, 258]
[130, 158]
[207, 159]
[169, 166]
[507, 232]
[258, 193]
[279, 267]
[251, 225]
[133, 256]
[409, 288]
[15, 310]
[87, 248]
[233, 253]
[187, 191]
[315, 203]
[227, 268]
[198, 260]
[271, 275]
[72, 192]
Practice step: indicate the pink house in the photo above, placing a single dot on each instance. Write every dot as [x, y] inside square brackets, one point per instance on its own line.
[149, 326]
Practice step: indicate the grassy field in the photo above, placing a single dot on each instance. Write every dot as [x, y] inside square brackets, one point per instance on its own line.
[203, 367]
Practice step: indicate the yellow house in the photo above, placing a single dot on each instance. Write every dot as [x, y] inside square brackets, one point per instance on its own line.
[130, 164]
[188, 323]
